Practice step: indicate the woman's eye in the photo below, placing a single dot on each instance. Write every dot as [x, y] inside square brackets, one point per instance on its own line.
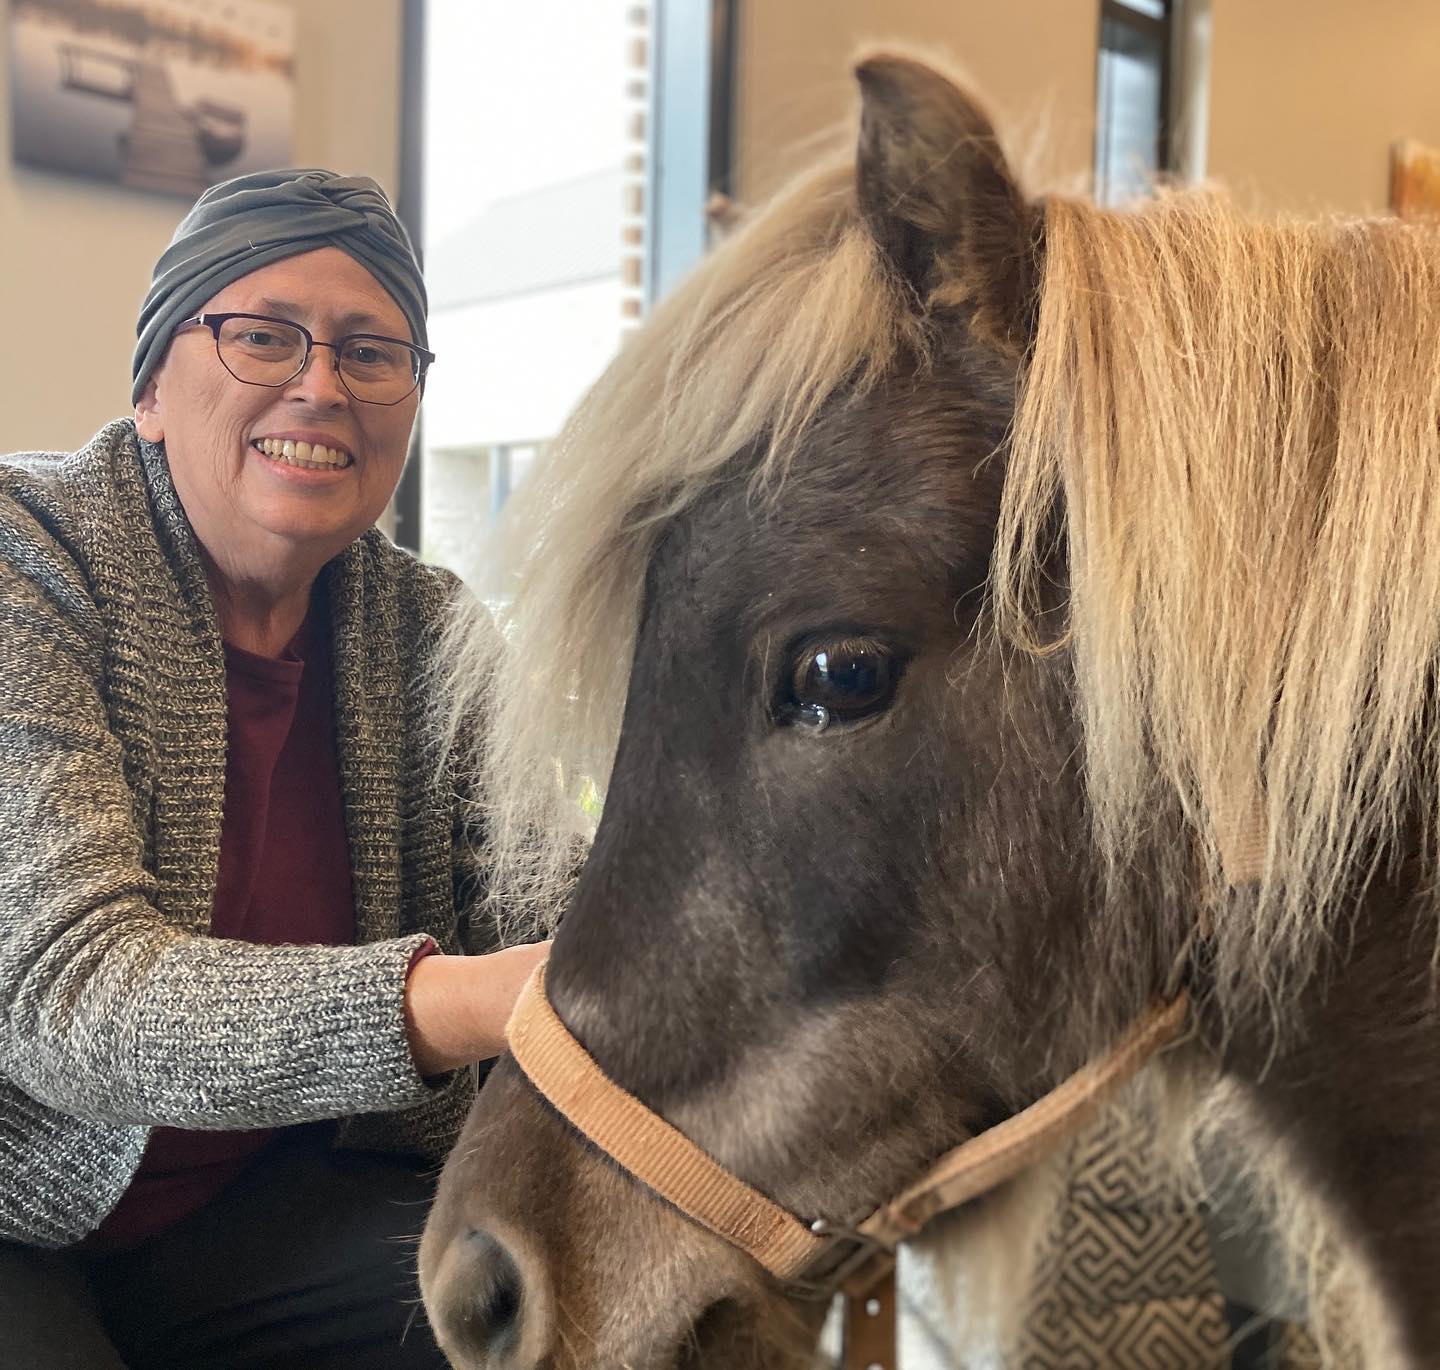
[840, 682]
[372, 353]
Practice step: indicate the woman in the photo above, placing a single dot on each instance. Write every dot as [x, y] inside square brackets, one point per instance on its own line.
[234, 883]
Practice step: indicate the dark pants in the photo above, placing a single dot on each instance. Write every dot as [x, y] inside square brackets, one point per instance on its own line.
[306, 1262]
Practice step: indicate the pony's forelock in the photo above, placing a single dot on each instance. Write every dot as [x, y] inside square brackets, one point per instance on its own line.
[1238, 421]
[740, 359]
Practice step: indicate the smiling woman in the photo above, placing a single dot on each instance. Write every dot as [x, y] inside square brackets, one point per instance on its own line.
[270, 520]
[235, 1026]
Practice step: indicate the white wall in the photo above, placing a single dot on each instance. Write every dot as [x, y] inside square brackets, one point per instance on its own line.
[511, 370]
[75, 256]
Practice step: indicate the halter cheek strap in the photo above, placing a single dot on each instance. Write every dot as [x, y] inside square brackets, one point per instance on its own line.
[810, 1256]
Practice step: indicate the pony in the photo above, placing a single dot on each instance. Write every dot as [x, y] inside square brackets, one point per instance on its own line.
[981, 614]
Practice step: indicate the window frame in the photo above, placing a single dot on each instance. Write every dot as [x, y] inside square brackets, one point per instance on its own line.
[405, 506]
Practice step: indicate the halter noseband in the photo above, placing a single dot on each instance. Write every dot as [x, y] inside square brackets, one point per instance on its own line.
[814, 1257]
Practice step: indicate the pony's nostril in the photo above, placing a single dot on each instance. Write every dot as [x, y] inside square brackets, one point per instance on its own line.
[485, 1298]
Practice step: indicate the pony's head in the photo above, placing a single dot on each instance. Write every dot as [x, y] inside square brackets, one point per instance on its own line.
[871, 585]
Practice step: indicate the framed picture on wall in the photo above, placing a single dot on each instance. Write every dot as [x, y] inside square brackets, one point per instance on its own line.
[1414, 179]
[160, 95]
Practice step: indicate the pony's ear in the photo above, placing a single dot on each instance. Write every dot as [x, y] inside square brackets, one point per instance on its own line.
[938, 196]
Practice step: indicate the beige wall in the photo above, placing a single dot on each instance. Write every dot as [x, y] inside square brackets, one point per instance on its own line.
[1307, 96]
[77, 255]
[1034, 61]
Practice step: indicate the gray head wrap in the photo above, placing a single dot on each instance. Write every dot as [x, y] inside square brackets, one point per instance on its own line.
[241, 225]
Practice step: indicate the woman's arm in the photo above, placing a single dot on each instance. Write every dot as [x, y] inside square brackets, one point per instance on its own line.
[107, 1010]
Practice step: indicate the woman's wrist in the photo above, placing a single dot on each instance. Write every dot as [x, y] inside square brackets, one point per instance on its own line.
[456, 1007]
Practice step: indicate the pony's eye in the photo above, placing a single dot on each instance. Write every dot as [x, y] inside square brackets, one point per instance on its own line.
[840, 682]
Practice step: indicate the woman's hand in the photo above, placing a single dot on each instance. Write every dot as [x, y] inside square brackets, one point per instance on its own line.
[456, 1007]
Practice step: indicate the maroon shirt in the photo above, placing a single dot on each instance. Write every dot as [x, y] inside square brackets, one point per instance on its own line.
[284, 877]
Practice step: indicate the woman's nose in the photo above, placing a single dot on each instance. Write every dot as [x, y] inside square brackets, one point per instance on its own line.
[318, 381]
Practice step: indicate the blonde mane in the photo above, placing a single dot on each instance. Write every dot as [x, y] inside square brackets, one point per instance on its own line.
[1238, 422]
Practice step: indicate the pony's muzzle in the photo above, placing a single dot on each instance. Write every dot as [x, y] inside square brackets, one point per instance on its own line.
[488, 1311]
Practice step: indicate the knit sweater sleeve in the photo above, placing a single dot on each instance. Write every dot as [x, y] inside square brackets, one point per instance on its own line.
[107, 1012]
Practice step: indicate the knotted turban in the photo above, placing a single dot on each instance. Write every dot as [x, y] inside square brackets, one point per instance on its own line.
[243, 224]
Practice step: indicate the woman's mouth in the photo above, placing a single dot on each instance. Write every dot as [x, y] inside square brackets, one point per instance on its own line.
[312, 456]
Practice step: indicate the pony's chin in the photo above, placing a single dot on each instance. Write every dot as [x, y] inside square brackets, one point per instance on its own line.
[707, 1335]
[737, 1336]
[722, 1335]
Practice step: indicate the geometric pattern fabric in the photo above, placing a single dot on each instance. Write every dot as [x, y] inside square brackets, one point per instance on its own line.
[1129, 1283]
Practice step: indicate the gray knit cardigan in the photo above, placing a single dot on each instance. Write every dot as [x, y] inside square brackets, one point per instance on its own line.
[117, 1011]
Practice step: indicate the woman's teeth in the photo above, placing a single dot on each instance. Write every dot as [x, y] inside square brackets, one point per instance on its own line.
[311, 455]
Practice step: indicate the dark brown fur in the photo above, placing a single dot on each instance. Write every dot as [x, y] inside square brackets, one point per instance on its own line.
[825, 957]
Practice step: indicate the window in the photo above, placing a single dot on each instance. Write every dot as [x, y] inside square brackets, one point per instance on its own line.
[566, 165]
[1132, 97]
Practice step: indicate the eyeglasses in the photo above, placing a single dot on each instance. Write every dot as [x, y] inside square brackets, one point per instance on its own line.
[259, 350]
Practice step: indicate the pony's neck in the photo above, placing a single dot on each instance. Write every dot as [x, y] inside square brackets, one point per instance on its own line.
[1353, 1091]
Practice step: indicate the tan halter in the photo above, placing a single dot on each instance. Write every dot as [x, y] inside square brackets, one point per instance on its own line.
[815, 1257]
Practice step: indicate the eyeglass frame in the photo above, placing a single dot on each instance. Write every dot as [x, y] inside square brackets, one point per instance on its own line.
[214, 322]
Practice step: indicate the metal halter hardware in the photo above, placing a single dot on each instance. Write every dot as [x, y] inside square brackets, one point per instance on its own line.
[817, 1258]
[851, 1258]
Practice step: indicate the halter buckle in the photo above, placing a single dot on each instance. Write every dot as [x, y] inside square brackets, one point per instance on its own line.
[851, 1261]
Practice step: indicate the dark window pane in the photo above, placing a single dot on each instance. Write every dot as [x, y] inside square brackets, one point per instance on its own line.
[1129, 125]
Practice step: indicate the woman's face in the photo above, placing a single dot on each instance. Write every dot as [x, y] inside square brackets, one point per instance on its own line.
[247, 507]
